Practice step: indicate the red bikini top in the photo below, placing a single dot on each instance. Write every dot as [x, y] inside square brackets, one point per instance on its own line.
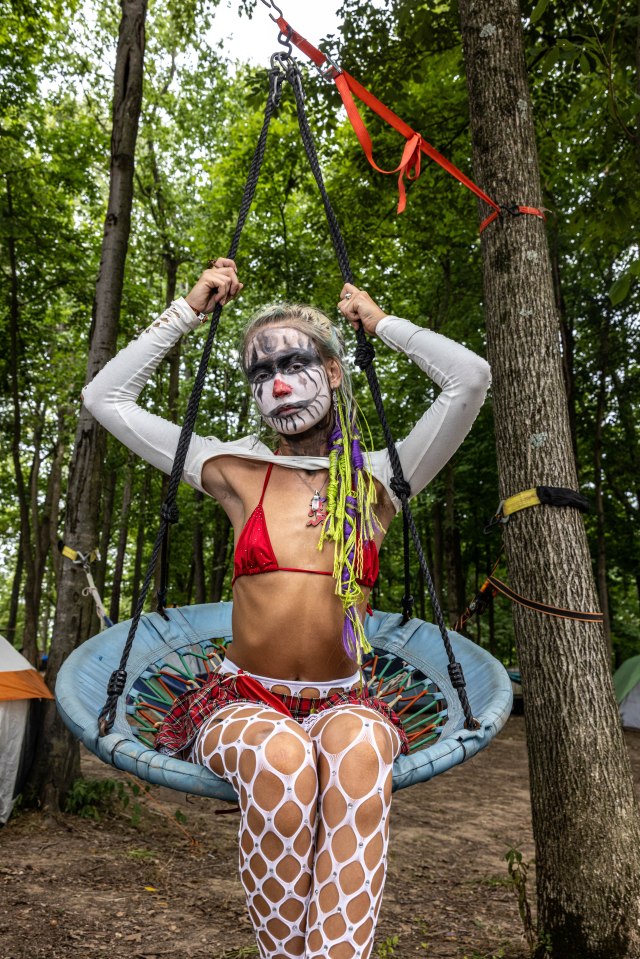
[254, 553]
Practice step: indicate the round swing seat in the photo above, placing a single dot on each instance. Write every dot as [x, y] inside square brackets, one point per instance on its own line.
[408, 669]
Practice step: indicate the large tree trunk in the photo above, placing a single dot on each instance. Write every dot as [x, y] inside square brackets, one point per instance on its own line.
[57, 759]
[585, 816]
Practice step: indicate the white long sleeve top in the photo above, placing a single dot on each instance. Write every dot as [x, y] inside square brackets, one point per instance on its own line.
[463, 377]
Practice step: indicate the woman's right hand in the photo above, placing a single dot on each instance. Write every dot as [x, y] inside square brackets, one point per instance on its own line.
[218, 284]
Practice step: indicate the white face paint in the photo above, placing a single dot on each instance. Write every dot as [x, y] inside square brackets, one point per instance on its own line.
[288, 379]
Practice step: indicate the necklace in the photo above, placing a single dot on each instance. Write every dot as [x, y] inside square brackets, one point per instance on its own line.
[317, 510]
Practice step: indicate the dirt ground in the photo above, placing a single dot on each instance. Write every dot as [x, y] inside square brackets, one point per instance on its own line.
[138, 884]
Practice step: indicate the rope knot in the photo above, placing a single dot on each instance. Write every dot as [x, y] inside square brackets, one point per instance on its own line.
[400, 487]
[365, 354]
[170, 512]
[456, 675]
[407, 608]
[117, 682]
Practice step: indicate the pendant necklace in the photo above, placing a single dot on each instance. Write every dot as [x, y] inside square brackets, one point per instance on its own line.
[317, 506]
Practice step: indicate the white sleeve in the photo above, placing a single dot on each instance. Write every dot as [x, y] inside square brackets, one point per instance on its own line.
[113, 393]
[464, 379]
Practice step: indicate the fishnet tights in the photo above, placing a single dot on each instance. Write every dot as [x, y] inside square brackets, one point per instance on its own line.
[314, 800]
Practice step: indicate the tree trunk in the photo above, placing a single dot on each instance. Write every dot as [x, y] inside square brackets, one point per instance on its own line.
[106, 510]
[10, 632]
[141, 538]
[585, 815]
[116, 583]
[221, 554]
[57, 759]
[198, 551]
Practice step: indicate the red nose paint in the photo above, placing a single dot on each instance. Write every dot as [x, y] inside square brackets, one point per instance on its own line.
[280, 388]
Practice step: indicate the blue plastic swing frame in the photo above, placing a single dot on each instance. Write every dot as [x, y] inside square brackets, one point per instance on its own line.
[82, 681]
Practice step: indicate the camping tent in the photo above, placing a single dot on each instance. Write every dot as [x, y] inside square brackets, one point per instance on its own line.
[627, 685]
[20, 685]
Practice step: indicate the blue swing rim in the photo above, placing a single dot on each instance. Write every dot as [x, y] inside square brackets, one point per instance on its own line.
[417, 643]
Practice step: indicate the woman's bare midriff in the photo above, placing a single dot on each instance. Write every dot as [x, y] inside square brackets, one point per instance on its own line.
[286, 625]
[289, 626]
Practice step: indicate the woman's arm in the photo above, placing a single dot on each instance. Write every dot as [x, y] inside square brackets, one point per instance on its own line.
[462, 376]
[112, 396]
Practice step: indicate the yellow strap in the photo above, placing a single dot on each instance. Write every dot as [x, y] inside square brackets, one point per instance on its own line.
[520, 501]
[69, 553]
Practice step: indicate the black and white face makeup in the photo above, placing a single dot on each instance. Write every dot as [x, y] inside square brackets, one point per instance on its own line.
[288, 379]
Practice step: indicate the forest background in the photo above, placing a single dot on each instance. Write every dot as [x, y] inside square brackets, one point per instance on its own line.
[200, 121]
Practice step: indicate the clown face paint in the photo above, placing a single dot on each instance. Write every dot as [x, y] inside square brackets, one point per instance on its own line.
[288, 379]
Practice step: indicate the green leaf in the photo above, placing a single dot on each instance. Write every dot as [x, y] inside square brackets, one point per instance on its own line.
[620, 289]
[538, 10]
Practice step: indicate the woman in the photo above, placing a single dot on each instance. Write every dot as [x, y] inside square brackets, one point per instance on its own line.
[287, 720]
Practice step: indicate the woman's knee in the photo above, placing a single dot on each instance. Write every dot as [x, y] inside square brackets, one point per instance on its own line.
[349, 727]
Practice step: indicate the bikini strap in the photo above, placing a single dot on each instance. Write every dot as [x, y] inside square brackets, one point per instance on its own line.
[266, 482]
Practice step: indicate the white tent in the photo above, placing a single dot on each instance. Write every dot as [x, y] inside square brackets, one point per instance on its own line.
[20, 684]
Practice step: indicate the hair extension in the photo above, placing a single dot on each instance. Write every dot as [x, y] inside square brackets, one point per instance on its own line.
[350, 523]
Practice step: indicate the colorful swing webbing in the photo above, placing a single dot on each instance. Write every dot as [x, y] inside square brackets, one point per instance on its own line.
[409, 166]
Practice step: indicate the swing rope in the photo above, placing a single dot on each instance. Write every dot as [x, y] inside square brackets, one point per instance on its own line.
[169, 510]
[365, 353]
[283, 67]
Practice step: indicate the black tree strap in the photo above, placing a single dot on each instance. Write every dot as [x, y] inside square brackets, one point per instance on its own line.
[169, 510]
[365, 353]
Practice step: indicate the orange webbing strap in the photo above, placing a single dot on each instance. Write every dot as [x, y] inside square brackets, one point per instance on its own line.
[514, 211]
[409, 166]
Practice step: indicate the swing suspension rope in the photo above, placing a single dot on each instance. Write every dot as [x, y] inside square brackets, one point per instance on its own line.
[283, 68]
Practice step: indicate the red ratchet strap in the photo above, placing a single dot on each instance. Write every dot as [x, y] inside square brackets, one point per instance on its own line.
[409, 166]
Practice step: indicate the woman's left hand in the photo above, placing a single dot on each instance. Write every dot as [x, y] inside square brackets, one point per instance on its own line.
[358, 307]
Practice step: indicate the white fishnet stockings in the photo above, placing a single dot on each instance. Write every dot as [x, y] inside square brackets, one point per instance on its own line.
[330, 880]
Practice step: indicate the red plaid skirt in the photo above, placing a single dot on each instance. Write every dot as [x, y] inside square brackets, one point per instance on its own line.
[181, 724]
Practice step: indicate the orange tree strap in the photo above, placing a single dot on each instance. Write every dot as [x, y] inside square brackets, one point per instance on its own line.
[409, 166]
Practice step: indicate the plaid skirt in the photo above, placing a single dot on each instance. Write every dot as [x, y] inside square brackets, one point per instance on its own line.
[188, 713]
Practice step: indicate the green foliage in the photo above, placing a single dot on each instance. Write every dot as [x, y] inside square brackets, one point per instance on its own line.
[96, 798]
[387, 947]
[518, 874]
[198, 130]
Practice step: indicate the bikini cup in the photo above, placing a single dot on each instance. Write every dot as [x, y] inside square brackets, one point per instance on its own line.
[254, 553]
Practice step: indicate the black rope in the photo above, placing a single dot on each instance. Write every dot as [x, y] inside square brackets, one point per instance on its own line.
[365, 354]
[169, 510]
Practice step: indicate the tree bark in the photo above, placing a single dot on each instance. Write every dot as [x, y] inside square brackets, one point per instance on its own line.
[585, 815]
[10, 632]
[106, 511]
[57, 758]
[123, 533]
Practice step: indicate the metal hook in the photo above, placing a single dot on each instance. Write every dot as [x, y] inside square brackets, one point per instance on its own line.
[271, 4]
[285, 40]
